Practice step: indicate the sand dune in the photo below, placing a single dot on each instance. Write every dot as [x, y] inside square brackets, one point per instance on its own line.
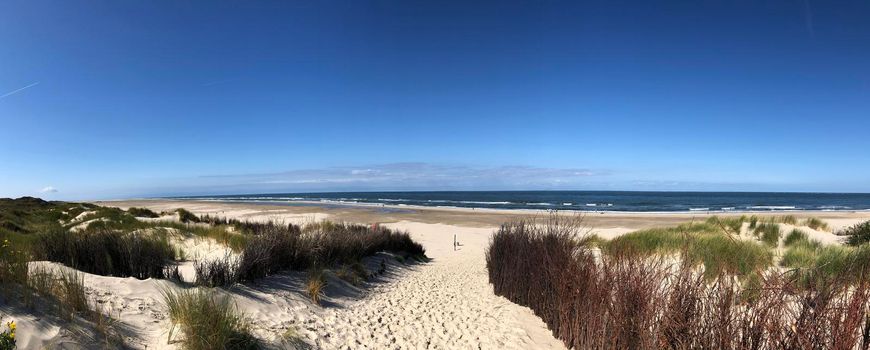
[446, 303]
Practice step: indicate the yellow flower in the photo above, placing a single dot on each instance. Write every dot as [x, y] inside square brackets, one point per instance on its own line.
[12, 325]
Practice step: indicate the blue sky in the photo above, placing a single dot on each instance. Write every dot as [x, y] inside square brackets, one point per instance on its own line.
[102, 99]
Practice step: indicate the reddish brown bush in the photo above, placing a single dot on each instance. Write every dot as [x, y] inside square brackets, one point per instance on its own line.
[593, 301]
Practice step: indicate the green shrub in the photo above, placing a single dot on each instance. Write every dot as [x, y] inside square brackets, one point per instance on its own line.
[142, 213]
[858, 233]
[186, 216]
[208, 321]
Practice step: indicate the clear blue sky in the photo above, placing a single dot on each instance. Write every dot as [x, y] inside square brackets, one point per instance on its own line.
[139, 98]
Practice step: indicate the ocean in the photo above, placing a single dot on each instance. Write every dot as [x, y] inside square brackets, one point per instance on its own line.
[618, 201]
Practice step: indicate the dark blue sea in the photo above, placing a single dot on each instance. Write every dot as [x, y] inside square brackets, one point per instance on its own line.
[627, 201]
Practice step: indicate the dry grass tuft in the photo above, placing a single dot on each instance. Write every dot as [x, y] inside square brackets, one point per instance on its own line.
[315, 285]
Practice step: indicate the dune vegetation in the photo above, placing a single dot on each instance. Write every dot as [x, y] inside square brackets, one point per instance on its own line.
[114, 242]
[699, 285]
[702, 243]
[207, 320]
[858, 234]
[143, 213]
[274, 247]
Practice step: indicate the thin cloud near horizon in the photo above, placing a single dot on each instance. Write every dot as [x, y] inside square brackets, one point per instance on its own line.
[414, 174]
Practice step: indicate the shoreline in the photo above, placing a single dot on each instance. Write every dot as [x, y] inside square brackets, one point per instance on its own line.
[457, 216]
[340, 204]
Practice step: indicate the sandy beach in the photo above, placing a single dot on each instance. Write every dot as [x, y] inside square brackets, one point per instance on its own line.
[434, 175]
[446, 303]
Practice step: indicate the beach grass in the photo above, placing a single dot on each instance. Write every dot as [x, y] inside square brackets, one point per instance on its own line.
[64, 293]
[794, 237]
[207, 320]
[13, 265]
[815, 224]
[217, 272]
[768, 232]
[702, 243]
[275, 247]
[107, 253]
[731, 225]
[753, 222]
[69, 291]
[801, 254]
[315, 285]
[354, 274]
[831, 261]
[785, 219]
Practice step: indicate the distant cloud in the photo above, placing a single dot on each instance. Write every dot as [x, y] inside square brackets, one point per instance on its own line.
[13, 92]
[48, 189]
[399, 176]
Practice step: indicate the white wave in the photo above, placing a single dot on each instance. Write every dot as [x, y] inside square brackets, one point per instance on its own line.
[699, 209]
[476, 202]
[773, 207]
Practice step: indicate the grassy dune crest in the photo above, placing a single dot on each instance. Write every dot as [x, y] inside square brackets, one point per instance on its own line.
[700, 243]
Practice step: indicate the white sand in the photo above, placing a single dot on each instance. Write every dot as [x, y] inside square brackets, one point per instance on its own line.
[444, 304]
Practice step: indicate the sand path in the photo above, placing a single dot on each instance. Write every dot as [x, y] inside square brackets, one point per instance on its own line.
[444, 304]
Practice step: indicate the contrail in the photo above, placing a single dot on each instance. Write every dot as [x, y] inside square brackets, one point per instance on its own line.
[13, 92]
[808, 19]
